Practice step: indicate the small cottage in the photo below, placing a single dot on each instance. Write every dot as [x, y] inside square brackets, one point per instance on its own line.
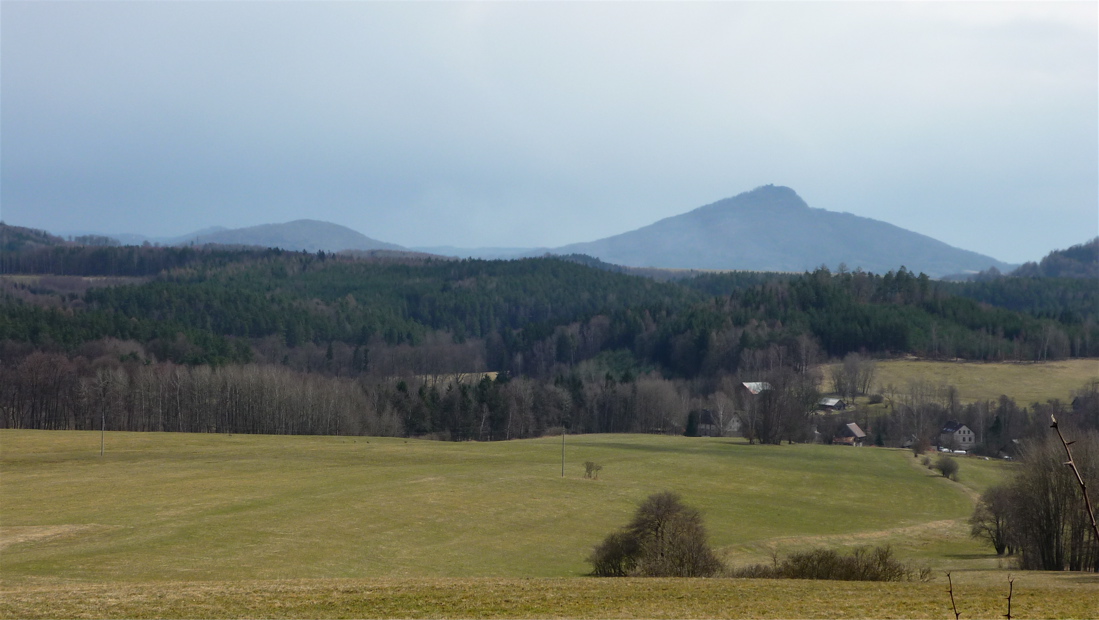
[849, 435]
[832, 404]
[712, 424]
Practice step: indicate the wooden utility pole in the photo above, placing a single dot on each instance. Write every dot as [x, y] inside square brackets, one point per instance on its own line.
[562, 452]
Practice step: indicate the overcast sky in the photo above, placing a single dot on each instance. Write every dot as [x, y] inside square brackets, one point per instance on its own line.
[541, 124]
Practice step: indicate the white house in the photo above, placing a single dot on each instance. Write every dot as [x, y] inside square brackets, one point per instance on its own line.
[957, 436]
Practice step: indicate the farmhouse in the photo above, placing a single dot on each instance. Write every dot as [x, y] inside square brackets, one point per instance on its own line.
[756, 387]
[956, 436]
[849, 435]
[832, 404]
[713, 424]
[707, 423]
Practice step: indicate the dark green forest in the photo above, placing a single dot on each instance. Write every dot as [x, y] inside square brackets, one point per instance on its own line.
[576, 342]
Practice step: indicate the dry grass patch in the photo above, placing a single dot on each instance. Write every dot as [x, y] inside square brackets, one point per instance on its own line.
[1039, 595]
[16, 535]
[1026, 382]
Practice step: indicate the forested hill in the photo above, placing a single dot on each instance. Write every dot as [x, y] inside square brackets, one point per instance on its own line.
[338, 314]
[1063, 286]
[1079, 261]
[18, 238]
[269, 341]
[307, 235]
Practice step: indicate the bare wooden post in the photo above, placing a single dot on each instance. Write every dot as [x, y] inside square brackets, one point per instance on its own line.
[1010, 587]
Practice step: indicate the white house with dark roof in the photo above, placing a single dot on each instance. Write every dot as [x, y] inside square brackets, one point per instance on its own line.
[956, 436]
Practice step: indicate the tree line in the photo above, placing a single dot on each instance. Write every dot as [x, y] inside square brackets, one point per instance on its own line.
[526, 317]
[594, 350]
[1040, 515]
[114, 384]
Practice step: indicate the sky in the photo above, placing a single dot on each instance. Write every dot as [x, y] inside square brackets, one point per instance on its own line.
[538, 124]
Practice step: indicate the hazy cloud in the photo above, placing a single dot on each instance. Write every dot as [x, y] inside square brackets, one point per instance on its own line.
[549, 123]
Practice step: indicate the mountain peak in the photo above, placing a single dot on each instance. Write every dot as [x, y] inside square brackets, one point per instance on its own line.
[765, 198]
[780, 192]
[770, 228]
[768, 195]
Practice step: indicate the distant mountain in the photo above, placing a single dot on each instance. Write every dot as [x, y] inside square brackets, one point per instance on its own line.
[483, 253]
[772, 229]
[139, 239]
[1079, 261]
[185, 239]
[308, 235]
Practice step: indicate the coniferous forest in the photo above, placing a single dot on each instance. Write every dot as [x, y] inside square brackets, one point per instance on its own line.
[221, 339]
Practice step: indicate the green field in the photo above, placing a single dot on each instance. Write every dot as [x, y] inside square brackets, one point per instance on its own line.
[1026, 382]
[295, 525]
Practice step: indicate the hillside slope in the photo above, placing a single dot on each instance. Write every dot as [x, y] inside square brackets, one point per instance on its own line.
[17, 238]
[308, 235]
[772, 229]
[1079, 261]
[325, 507]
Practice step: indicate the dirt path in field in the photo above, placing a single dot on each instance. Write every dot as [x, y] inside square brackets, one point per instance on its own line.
[945, 529]
[920, 530]
[973, 495]
[14, 535]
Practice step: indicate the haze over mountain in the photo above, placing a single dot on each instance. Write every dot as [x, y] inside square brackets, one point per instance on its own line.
[767, 229]
[772, 229]
[308, 235]
[134, 239]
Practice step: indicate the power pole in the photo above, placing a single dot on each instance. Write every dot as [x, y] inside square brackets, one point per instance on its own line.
[562, 452]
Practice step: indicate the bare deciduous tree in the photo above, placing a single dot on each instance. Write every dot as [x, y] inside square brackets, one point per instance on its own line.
[991, 519]
[666, 538]
[1047, 516]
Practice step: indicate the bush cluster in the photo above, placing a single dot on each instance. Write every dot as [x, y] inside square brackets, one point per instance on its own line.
[947, 466]
[877, 564]
[665, 539]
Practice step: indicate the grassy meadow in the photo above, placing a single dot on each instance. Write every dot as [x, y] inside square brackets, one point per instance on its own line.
[181, 525]
[1026, 382]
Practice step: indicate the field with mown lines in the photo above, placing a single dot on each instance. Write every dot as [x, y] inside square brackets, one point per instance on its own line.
[183, 525]
[180, 506]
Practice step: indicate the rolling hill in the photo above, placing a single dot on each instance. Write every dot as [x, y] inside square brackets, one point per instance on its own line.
[772, 229]
[1079, 261]
[325, 507]
[226, 526]
[308, 235]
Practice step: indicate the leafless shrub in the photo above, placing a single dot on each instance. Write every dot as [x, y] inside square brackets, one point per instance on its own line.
[863, 564]
[947, 466]
[592, 469]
